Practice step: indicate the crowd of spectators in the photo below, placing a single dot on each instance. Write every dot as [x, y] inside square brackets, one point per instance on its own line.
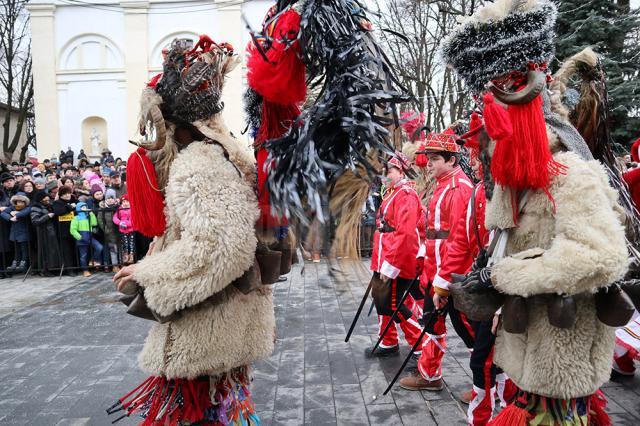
[66, 215]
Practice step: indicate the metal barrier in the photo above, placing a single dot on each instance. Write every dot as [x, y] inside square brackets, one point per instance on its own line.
[62, 255]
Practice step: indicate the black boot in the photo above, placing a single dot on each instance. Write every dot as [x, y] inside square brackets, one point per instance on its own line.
[22, 266]
[382, 352]
[13, 266]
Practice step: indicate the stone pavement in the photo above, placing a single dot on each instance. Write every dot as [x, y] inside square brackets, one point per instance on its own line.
[67, 350]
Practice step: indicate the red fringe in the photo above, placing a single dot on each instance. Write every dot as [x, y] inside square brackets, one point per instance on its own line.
[512, 415]
[597, 410]
[281, 80]
[275, 121]
[147, 201]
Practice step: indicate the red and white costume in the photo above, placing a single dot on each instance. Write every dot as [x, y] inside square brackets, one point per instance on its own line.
[446, 206]
[395, 247]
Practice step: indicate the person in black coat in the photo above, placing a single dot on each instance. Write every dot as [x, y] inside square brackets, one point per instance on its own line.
[18, 216]
[6, 247]
[64, 208]
[43, 219]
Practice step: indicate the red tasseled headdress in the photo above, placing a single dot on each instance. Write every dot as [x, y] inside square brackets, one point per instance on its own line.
[411, 121]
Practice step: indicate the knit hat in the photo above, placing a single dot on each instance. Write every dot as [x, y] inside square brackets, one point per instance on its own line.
[96, 188]
[5, 177]
[39, 196]
[501, 37]
[51, 185]
[125, 197]
[111, 193]
[39, 181]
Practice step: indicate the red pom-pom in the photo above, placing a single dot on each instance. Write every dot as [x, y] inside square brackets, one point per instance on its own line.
[147, 202]
[421, 159]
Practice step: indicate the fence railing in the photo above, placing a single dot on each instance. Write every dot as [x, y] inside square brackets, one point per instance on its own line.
[58, 253]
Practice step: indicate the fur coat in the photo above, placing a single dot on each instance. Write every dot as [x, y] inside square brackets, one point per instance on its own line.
[209, 242]
[575, 250]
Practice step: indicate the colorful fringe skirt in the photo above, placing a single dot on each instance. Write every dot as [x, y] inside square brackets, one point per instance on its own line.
[205, 401]
[531, 409]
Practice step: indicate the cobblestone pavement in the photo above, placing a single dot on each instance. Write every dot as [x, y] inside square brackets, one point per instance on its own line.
[67, 350]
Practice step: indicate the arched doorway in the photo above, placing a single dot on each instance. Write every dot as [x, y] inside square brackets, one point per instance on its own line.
[94, 136]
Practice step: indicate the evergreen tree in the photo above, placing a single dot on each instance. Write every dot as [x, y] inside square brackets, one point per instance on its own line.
[612, 29]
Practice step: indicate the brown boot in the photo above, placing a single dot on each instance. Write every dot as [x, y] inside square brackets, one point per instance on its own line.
[86, 274]
[465, 397]
[415, 381]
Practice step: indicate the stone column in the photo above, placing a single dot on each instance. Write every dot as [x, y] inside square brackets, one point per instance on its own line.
[231, 30]
[43, 51]
[135, 59]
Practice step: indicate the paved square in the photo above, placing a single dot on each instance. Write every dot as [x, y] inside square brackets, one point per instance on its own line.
[67, 350]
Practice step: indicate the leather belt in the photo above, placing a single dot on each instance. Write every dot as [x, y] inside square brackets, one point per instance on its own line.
[432, 234]
[384, 229]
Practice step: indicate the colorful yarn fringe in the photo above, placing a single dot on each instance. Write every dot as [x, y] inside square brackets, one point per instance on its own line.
[532, 409]
[161, 401]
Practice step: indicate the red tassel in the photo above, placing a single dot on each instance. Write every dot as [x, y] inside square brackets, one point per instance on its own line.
[512, 416]
[282, 79]
[147, 202]
[522, 159]
[421, 159]
[496, 120]
[275, 121]
[597, 410]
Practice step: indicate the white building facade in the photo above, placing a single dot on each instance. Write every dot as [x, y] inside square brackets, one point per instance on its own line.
[91, 62]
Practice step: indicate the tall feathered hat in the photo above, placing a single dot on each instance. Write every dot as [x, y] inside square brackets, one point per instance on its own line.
[502, 52]
[187, 93]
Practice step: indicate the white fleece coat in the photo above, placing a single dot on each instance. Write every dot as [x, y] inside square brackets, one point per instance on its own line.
[210, 241]
[576, 250]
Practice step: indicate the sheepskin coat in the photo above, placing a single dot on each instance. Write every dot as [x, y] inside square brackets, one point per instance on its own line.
[575, 250]
[209, 242]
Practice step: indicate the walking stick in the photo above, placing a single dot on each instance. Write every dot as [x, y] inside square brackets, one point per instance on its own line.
[362, 302]
[394, 315]
[433, 315]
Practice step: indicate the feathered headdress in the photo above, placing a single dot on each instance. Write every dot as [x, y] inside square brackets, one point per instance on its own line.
[187, 91]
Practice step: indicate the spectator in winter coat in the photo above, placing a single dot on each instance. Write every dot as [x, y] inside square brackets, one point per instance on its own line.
[118, 185]
[18, 215]
[97, 195]
[63, 208]
[8, 183]
[122, 218]
[81, 229]
[6, 248]
[28, 188]
[109, 229]
[48, 257]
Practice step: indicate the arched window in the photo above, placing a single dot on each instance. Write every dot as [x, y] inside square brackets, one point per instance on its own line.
[90, 52]
[94, 135]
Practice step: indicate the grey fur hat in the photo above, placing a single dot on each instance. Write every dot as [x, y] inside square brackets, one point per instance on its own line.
[501, 37]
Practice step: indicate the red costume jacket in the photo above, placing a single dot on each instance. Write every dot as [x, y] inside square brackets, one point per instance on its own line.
[395, 245]
[632, 178]
[462, 247]
[447, 204]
